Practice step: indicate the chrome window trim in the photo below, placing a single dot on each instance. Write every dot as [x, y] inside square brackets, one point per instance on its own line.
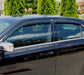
[33, 45]
[82, 25]
[24, 23]
[37, 44]
[43, 44]
[69, 39]
[49, 43]
[54, 42]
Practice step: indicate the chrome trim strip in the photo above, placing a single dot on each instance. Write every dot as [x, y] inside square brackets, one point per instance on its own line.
[69, 39]
[33, 45]
[49, 43]
[40, 45]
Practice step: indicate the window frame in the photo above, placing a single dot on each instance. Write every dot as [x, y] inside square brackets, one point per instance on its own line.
[82, 26]
[27, 23]
[64, 22]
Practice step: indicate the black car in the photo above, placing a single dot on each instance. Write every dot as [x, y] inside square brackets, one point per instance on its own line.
[43, 35]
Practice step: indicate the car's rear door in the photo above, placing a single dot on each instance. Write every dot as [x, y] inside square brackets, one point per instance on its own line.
[68, 35]
[34, 38]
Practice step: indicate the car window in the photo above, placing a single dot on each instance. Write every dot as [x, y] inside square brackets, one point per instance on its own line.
[4, 25]
[30, 35]
[68, 31]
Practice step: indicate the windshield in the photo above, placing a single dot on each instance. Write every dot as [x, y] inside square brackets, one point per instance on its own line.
[4, 25]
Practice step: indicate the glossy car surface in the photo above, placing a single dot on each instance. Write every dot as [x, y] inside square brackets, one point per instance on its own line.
[45, 35]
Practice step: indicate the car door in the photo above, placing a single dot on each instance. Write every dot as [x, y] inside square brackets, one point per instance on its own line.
[34, 38]
[68, 36]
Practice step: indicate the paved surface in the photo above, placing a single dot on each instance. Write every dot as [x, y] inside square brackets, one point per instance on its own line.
[69, 64]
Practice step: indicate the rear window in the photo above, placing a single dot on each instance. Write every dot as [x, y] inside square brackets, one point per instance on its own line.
[68, 31]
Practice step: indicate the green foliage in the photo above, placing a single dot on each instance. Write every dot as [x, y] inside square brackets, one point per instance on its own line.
[34, 11]
[69, 8]
[14, 7]
[63, 7]
[31, 4]
[8, 7]
[54, 7]
[47, 7]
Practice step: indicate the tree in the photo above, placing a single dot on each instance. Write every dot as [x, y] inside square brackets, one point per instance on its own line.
[70, 9]
[47, 7]
[54, 6]
[63, 7]
[7, 7]
[14, 7]
[31, 4]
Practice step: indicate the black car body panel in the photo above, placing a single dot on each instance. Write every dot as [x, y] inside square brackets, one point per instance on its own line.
[56, 45]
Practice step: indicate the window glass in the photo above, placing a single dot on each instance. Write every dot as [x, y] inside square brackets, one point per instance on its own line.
[30, 35]
[4, 25]
[68, 31]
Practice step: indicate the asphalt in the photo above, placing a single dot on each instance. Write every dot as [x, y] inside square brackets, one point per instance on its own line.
[67, 64]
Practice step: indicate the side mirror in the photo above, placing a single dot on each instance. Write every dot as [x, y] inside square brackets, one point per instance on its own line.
[6, 46]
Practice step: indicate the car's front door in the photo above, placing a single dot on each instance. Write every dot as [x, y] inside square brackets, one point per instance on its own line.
[34, 38]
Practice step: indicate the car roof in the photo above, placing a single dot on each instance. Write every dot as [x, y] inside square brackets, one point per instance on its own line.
[25, 17]
[37, 17]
